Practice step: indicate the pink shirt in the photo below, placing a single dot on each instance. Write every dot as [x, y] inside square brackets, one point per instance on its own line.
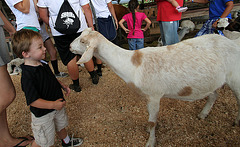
[138, 23]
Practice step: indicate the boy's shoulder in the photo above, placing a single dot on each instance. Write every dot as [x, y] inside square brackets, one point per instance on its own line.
[32, 69]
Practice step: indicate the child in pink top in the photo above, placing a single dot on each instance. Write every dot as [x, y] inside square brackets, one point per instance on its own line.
[134, 23]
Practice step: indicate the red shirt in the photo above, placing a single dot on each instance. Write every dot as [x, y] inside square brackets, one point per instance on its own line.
[167, 12]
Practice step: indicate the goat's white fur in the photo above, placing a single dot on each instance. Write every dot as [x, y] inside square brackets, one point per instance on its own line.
[16, 63]
[189, 70]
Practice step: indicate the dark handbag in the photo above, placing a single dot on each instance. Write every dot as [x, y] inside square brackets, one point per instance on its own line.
[107, 28]
[67, 21]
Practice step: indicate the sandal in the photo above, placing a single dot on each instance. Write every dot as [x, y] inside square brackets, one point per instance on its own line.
[23, 140]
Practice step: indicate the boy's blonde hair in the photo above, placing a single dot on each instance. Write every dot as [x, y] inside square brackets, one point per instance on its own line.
[22, 40]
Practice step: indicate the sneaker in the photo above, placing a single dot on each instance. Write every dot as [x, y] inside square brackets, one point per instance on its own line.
[95, 78]
[75, 88]
[73, 142]
[61, 75]
[182, 9]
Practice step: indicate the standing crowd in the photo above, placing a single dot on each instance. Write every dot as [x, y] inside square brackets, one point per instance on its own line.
[41, 86]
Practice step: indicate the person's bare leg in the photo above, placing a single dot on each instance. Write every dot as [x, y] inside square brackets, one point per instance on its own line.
[73, 69]
[62, 134]
[51, 49]
[98, 61]
[7, 96]
[89, 65]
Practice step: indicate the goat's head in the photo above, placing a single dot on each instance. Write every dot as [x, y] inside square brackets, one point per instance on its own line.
[222, 23]
[85, 45]
[187, 24]
[227, 24]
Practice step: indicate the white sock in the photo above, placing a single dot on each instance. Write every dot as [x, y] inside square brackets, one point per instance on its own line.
[66, 140]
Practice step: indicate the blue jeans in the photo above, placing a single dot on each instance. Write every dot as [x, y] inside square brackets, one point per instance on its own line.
[168, 31]
[135, 43]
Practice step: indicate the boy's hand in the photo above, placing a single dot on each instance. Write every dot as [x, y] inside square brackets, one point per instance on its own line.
[59, 104]
[67, 90]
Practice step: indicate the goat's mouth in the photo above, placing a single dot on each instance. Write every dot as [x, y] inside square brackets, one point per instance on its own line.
[71, 49]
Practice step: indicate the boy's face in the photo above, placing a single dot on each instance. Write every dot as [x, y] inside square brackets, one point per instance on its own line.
[37, 50]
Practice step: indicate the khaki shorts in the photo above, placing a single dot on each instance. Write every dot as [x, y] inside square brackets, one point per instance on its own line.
[44, 127]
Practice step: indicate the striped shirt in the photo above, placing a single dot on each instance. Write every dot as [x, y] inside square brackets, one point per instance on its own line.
[39, 82]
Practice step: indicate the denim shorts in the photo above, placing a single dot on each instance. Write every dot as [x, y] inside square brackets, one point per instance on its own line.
[168, 31]
[135, 43]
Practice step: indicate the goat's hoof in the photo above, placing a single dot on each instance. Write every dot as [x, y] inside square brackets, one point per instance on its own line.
[150, 143]
[202, 116]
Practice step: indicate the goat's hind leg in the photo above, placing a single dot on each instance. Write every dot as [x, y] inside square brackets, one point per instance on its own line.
[210, 102]
[236, 90]
[153, 109]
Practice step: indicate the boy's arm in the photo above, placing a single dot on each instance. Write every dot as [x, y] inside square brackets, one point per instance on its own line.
[44, 104]
[65, 88]
[112, 11]
[23, 6]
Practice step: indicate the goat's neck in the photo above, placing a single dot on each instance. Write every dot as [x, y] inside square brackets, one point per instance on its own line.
[118, 59]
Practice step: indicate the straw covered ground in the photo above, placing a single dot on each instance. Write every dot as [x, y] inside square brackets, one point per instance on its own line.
[110, 114]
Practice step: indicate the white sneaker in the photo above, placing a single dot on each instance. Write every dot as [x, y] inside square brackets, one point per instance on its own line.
[61, 75]
[73, 142]
[182, 9]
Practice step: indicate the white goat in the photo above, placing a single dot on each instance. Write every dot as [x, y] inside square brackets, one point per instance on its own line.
[13, 67]
[189, 70]
[222, 24]
[185, 27]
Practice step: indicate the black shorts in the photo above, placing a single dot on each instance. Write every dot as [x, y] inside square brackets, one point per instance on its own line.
[63, 44]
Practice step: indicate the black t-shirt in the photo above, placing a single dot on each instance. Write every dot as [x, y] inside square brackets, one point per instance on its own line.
[39, 82]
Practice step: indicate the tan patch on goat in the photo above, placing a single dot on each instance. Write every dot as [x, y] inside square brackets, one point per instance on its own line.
[186, 91]
[170, 47]
[137, 58]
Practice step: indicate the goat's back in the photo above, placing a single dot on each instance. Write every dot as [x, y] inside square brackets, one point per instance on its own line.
[201, 63]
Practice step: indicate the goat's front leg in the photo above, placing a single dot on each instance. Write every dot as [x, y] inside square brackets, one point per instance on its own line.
[210, 101]
[153, 109]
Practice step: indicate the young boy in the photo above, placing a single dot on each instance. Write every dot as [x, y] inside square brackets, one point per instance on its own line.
[43, 91]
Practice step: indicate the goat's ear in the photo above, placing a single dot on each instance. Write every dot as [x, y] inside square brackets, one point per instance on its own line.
[87, 55]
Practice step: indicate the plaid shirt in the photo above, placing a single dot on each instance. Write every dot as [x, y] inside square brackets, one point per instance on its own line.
[207, 28]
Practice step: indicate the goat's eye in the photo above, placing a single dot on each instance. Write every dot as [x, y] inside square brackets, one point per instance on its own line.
[82, 41]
